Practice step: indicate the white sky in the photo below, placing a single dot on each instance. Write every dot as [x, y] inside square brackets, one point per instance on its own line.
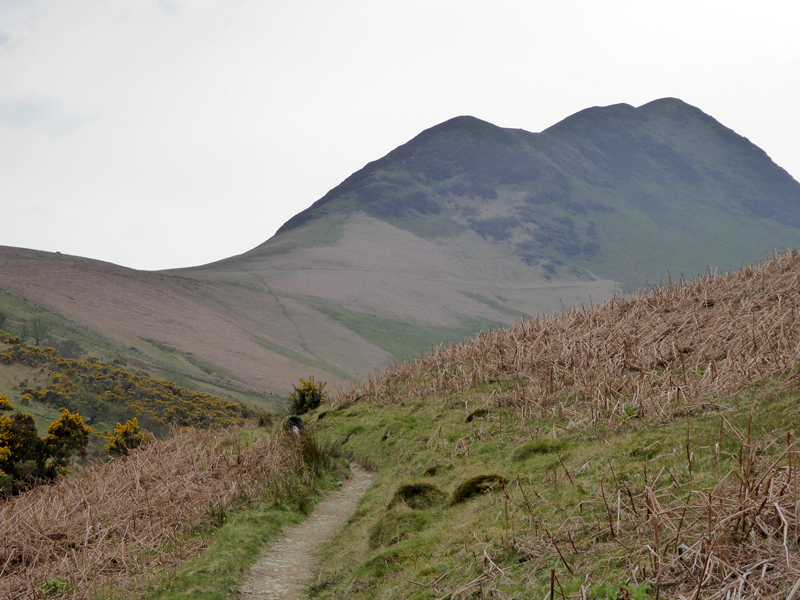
[170, 133]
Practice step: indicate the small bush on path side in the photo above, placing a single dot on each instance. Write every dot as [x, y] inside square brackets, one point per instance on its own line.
[308, 396]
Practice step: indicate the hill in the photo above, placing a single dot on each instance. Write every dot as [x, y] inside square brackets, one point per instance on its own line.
[644, 448]
[463, 228]
[88, 308]
[624, 193]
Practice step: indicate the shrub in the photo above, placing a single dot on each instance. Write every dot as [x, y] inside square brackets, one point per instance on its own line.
[308, 396]
[24, 453]
[127, 437]
[30, 459]
[67, 435]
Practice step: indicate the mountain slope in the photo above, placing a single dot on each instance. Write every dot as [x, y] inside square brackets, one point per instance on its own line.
[645, 448]
[626, 193]
[464, 227]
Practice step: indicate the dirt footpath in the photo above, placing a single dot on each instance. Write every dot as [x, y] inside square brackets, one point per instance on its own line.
[287, 566]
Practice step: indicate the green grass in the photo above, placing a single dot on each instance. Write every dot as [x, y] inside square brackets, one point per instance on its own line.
[402, 339]
[225, 563]
[402, 549]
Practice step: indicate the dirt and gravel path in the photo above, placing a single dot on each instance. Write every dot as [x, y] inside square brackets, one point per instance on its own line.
[286, 567]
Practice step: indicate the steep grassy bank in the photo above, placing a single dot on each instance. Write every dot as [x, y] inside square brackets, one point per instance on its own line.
[646, 443]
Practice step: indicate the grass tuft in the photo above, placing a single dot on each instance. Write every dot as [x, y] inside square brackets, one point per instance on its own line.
[418, 495]
[476, 485]
[540, 446]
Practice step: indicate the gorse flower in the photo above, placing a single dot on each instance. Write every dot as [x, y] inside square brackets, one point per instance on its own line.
[127, 437]
[308, 396]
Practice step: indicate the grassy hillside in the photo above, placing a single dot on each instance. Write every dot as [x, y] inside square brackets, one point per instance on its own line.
[73, 340]
[647, 444]
[105, 393]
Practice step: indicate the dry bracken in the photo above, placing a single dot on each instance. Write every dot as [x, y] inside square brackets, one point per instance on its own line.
[113, 522]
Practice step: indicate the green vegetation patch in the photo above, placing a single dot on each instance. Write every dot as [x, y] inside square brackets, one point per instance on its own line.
[396, 525]
[576, 481]
[537, 447]
[418, 495]
[401, 339]
[226, 561]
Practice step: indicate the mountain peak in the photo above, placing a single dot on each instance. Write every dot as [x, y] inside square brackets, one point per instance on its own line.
[575, 196]
[462, 123]
[602, 117]
[668, 103]
[458, 130]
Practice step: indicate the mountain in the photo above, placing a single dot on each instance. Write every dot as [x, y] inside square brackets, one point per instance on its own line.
[625, 193]
[466, 226]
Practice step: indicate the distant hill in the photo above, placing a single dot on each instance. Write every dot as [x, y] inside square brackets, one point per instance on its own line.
[464, 227]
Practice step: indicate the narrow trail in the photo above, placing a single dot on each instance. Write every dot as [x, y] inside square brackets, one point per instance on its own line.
[285, 568]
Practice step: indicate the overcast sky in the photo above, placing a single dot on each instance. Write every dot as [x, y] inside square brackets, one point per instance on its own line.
[171, 133]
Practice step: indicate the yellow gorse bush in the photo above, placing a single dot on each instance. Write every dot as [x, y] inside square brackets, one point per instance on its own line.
[29, 458]
[127, 437]
[308, 396]
[5, 404]
[74, 381]
[68, 434]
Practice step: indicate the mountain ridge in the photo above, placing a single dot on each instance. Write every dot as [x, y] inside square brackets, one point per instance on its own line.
[599, 160]
[464, 227]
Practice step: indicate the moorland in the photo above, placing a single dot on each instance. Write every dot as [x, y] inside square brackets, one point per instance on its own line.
[645, 447]
[539, 428]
